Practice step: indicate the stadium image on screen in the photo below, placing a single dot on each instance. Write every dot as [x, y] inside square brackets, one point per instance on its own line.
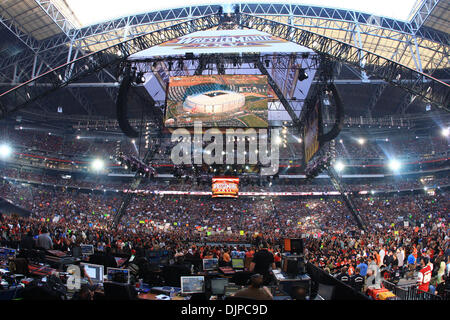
[217, 101]
[212, 152]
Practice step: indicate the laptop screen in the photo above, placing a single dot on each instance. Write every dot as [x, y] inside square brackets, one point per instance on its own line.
[237, 263]
[94, 271]
[193, 284]
[118, 275]
[210, 264]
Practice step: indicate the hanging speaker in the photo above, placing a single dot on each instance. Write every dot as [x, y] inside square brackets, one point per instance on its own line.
[122, 106]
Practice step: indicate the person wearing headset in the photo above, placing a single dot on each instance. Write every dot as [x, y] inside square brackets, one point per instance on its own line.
[256, 289]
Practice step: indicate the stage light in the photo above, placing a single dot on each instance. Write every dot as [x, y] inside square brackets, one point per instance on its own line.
[140, 78]
[278, 140]
[445, 132]
[5, 151]
[394, 165]
[339, 166]
[361, 141]
[97, 164]
[341, 141]
[302, 75]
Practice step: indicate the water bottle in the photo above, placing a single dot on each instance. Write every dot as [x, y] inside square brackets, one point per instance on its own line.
[172, 293]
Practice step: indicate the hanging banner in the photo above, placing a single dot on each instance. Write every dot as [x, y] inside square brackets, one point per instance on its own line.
[221, 41]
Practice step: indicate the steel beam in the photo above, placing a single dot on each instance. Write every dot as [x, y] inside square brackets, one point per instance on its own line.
[20, 96]
[434, 91]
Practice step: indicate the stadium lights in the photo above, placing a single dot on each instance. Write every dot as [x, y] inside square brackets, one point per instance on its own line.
[339, 166]
[97, 164]
[445, 132]
[5, 151]
[394, 165]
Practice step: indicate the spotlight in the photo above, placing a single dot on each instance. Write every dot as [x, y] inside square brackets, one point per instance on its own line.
[140, 78]
[445, 132]
[361, 141]
[97, 164]
[339, 166]
[394, 165]
[302, 75]
[5, 151]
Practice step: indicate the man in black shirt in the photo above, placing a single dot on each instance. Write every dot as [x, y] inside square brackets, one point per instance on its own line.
[343, 276]
[357, 280]
[262, 262]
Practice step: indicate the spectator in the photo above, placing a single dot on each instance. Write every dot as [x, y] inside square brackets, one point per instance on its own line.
[44, 241]
[256, 290]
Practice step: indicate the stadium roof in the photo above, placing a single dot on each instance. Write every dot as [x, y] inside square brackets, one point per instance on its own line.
[38, 35]
[92, 12]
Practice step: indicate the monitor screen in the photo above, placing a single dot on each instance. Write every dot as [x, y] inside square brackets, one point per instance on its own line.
[237, 263]
[218, 101]
[193, 284]
[218, 286]
[210, 264]
[118, 275]
[325, 291]
[225, 187]
[294, 246]
[94, 271]
[87, 249]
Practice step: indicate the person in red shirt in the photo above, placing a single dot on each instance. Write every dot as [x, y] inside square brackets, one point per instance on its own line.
[424, 276]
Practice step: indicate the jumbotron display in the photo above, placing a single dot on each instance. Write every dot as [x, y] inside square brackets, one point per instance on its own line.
[218, 101]
[225, 187]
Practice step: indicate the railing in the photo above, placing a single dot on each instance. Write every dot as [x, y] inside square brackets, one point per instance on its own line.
[410, 293]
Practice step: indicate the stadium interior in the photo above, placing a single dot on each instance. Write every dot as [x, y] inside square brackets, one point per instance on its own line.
[95, 204]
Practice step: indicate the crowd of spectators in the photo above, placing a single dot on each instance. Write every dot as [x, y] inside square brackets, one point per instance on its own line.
[95, 182]
[413, 224]
[71, 145]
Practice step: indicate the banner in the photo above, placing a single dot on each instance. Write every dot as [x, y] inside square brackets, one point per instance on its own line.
[225, 187]
[221, 41]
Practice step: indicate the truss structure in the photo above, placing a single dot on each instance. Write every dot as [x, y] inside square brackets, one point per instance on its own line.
[84, 66]
[396, 51]
[434, 91]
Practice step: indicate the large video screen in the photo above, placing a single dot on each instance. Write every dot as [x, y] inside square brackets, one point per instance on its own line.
[311, 133]
[218, 101]
[225, 187]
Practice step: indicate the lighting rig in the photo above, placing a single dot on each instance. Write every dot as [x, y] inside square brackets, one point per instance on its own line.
[136, 165]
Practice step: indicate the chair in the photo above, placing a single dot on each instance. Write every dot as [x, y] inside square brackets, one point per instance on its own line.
[119, 291]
